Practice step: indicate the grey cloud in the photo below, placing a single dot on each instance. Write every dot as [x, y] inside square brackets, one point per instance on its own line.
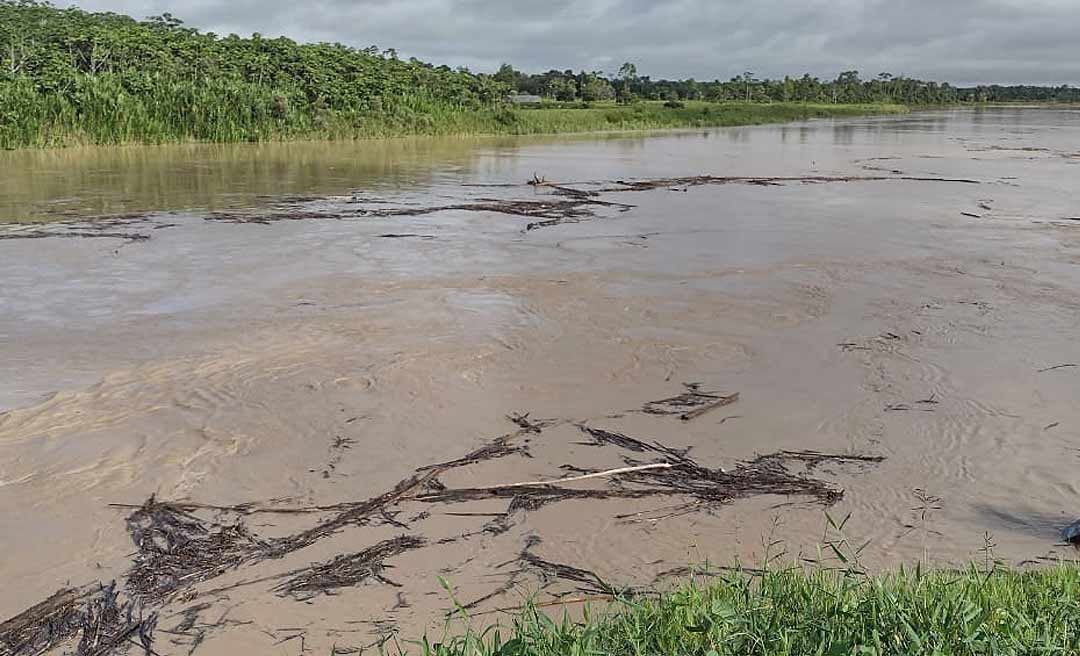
[962, 41]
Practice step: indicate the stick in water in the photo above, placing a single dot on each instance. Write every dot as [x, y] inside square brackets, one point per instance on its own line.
[585, 477]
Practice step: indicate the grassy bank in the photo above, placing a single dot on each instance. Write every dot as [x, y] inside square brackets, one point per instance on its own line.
[655, 115]
[210, 115]
[800, 612]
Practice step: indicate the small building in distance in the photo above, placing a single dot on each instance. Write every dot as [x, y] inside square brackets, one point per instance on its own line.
[524, 99]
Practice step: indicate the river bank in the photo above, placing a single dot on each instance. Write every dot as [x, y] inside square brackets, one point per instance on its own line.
[135, 126]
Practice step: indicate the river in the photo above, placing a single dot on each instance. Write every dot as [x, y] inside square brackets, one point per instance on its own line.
[306, 325]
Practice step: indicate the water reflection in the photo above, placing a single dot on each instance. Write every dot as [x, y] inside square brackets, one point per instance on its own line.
[92, 181]
[57, 184]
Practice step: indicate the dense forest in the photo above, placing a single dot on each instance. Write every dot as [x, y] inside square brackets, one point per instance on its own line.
[113, 79]
[70, 76]
[848, 88]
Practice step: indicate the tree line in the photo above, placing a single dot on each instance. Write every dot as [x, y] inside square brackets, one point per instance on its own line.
[71, 75]
[848, 87]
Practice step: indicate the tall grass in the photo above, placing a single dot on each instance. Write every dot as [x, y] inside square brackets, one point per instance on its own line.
[796, 612]
[101, 110]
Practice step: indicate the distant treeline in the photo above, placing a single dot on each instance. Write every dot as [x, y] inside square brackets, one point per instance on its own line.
[70, 76]
[847, 88]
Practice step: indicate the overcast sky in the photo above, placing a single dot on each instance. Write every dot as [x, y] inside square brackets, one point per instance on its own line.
[961, 41]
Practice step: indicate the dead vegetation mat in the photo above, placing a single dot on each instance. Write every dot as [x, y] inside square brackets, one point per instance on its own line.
[177, 546]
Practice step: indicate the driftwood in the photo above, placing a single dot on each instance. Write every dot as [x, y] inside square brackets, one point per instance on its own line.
[583, 477]
[718, 403]
[1059, 366]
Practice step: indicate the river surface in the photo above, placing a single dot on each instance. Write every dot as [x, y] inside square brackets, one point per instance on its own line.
[269, 324]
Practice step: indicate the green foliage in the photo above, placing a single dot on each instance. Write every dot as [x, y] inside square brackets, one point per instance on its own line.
[799, 611]
[67, 75]
[679, 114]
[847, 88]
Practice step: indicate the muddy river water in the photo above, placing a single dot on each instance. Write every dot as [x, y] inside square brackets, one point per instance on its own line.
[301, 327]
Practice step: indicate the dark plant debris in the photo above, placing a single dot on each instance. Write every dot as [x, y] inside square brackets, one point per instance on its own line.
[1059, 366]
[347, 570]
[691, 404]
[82, 234]
[553, 210]
[176, 549]
[95, 614]
[577, 204]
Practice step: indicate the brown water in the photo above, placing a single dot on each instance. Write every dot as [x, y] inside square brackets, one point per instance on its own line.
[219, 363]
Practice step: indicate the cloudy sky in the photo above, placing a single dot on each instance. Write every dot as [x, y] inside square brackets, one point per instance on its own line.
[962, 41]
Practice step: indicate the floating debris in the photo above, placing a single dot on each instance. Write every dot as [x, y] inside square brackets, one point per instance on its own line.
[80, 234]
[691, 404]
[347, 570]
[176, 549]
[95, 614]
[602, 437]
[558, 210]
[1059, 366]
[696, 181]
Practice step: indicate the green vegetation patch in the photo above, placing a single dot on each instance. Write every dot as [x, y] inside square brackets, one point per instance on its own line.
[810, 611]
[690, 114]
[71, 77]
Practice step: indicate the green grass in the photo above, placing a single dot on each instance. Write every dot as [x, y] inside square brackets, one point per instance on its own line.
[803, 611]
[654, 115]
[100, 111]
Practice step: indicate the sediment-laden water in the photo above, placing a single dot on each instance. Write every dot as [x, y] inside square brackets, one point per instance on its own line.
[312, 327]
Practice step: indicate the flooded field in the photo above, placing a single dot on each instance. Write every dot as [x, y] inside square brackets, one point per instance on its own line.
[343, 371]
